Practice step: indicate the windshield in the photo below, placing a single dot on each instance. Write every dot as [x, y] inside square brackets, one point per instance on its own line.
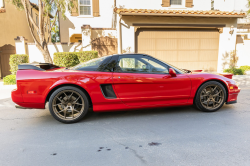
[177, 68]
[93, 63]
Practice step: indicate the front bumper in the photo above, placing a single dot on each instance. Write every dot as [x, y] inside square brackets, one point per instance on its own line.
[232, 97]
[231, 102]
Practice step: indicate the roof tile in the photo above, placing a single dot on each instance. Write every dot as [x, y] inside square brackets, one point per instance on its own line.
[2, 10]
[180, 12]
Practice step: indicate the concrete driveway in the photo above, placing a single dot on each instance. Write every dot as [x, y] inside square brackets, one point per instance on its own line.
[169, 136]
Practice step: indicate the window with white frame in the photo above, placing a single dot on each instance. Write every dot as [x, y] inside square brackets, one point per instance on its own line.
[85, 7]
[175, 2]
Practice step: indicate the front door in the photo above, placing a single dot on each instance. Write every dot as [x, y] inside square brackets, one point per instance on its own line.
[142, 80]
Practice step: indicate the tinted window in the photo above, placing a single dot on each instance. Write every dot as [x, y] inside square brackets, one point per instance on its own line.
[140, 64]
[91, 65]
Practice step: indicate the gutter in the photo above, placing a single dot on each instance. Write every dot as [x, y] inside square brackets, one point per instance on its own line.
[182, 15]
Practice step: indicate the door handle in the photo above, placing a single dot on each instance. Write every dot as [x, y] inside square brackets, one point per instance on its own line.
[119, 77]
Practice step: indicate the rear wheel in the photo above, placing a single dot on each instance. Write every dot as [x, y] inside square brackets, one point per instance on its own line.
[210, 97]
[68, 104]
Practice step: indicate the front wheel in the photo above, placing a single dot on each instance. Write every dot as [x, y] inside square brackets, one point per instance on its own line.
[68, 104]
[210, 97]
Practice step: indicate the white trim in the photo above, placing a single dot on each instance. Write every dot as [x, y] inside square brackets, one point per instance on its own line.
[1, 4]
[85, 16]
[91, 8]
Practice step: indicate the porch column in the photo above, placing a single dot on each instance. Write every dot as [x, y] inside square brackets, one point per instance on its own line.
[226, 45]
[20, 43]
[86, 38]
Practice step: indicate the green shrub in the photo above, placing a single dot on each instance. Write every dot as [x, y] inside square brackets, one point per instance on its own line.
[235, 71]
[66, 59]
[69, 59]
[245, 68]
[9, 80]
[15, 60]
[84, 56]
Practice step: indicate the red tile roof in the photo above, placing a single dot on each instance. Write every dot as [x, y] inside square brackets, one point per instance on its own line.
[194, 13]
[2, 10]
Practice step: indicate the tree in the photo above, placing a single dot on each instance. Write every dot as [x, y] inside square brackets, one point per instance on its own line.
[55, 36]
[45, 7]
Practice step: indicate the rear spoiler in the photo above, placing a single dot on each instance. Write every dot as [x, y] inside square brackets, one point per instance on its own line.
[37, 66]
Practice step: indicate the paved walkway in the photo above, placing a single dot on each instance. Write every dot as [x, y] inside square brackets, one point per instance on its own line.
[5, 90]
[243, 80]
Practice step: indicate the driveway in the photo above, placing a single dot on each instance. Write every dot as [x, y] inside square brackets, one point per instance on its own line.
[5, 90]
[169, 136]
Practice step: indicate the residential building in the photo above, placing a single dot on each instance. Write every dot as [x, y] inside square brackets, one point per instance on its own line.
[191, 34]
[14, 23]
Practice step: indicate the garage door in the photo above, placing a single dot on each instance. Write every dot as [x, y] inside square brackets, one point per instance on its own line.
[185, 48]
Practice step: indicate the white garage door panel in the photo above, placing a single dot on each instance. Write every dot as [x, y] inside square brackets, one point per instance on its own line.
[189, 49]
[188, 56]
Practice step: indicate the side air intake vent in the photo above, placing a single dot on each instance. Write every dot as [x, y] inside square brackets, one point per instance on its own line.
[108, 91]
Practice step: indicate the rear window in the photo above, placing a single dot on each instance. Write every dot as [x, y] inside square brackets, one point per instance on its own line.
[92, 64]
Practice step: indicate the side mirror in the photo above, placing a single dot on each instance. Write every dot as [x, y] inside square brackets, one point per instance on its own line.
[172, 72]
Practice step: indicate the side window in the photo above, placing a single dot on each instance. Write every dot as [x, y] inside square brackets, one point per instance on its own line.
[155, 66]
[131, 65]
[175, 2]
[140, 64]
[85, 7]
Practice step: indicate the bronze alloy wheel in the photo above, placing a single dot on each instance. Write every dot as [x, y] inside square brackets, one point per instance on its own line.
[211, 97]
[68, 105]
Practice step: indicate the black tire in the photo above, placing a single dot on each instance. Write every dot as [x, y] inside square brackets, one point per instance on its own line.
[209, 103]
[60, 112]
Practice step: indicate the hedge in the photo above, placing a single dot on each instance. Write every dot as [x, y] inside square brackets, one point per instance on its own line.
[245, 68]
[235, 71]
[69, 59]
[17, 59]
[66, 59]
[84, 56]
[9, 80]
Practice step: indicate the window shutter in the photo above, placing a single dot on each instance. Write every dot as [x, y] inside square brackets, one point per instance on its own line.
[165, 3]
[96, 8]
[74, 11]
[189, 3]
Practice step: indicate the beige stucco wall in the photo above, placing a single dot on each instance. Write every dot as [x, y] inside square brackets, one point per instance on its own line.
[64, 28]
[103, 33]
[13, 23]
[35, 13]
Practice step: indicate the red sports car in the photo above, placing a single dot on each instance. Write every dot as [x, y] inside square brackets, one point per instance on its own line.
[118, 82]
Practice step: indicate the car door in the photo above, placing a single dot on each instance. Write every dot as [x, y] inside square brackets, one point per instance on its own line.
[142, 80]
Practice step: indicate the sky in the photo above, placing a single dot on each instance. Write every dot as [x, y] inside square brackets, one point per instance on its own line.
[34, 1]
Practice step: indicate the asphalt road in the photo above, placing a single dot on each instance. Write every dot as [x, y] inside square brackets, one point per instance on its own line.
[169, 136]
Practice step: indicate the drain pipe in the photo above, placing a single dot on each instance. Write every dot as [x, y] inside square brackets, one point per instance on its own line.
[120, 34]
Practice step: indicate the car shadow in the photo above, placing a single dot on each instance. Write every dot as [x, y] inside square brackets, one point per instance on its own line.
[190, 110]
[181, 112]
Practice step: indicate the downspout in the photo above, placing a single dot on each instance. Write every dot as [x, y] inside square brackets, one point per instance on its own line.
[120, 34]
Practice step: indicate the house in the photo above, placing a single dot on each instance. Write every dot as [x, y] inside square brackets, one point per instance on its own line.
[191, 34]
[243, 35]
[14, 23]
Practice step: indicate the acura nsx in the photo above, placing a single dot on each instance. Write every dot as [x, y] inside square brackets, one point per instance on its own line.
[118, 82]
